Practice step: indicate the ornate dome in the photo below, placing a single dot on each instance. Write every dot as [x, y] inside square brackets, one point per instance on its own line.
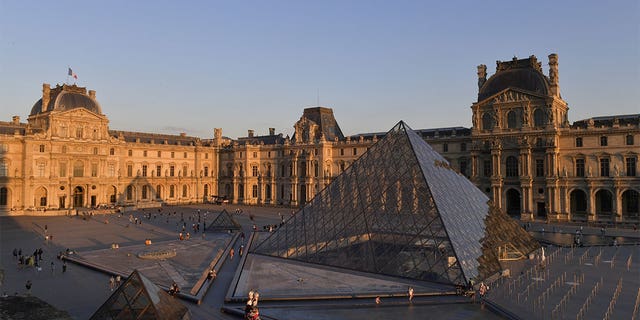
[525, 74]
[63, 98]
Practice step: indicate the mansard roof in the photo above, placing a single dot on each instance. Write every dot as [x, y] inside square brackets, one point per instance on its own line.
[609, 121]
[67, 97]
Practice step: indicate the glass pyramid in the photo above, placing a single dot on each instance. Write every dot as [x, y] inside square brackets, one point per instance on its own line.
[223, 222]
[139, 298]
[398, 210]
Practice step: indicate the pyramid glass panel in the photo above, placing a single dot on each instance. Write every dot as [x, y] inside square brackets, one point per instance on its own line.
[139, 298]
[223, 222]
[399, 210]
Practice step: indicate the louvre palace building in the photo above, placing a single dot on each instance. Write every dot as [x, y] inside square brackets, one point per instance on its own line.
[521, 151]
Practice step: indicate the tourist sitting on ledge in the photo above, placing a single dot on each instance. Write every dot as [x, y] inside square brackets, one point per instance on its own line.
[212, 274]
[174, 289]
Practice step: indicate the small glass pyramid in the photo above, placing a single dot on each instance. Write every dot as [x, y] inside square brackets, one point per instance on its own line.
[223, 222]
[139, 298]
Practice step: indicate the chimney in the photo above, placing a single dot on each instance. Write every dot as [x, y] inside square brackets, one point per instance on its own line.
[183, 134]
[272, 131]
[482, 75]
[92, 94]
[553, 74]
[250, 133]
[15, 119]
[217, 133]
[46, 96]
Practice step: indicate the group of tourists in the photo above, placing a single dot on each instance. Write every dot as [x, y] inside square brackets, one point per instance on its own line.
[251, 311]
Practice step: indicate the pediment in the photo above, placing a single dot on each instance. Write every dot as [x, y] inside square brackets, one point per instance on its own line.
[80, 113]
[511, 95]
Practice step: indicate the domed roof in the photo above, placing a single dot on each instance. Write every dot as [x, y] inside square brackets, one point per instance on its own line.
[523, 74]
[63, 98]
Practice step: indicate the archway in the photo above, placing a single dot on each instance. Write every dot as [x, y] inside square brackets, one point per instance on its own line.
[113, 195]
[4, 196]
[78, 197]
[40, 198]
[630, 207]
[604, 202]
[513, 202]
[578, 202]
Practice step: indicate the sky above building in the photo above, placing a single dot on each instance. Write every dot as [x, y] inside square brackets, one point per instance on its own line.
[191, 66]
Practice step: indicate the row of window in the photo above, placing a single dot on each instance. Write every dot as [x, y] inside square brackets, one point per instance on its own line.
[445, 147]
[604, 141]
[605, 167]
[515, 119]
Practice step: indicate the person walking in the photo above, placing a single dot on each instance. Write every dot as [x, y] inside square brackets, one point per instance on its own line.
[241, 250]
[112, 283]
[28, 286]
[53, 267]
[118, 280]
[410, 294]
[231, 253]
[64, 266]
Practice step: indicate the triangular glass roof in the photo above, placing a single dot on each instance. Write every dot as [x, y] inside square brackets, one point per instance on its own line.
[224, 221]
[139, 298]
[399, 210]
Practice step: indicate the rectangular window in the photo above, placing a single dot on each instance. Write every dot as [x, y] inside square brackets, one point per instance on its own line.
[185, 171]
[144, 191]
[4, 170]
[629, 140]
[255, 190]
[206, 156]
[158, 170]
[79, 132]
[604, 167]
[445, 147]
[603, 141]
[463, 167]
[112, 170]
[282, 171]
[173, 154]
[42, 148]
[355, 151]
[144, 170]
[254, 171]
[63, 169]
[579, 167]
[539, 167]
[129, 170]
[631, 167]
[41, 169]
[95, 150]
[463, 147]
[112, 151]
[185, 155]
[486, 168]
[172, 171]
[269, 154]
[78, 169]
[144, 153]
[159, 154]
[342, 152]
[206, 171]
[255, 154]
[94, 169]
[579, 142]
[130, 152]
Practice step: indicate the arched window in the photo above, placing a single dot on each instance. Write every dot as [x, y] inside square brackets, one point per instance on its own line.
[604, 202]
[487, 121]
[539, 118]
[4, 196]
[512, 166]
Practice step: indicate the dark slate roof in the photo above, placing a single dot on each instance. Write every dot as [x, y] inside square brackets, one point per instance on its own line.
[608, 121]
[10, 128]
[424, 133]
[256, 140]
[525, 74]
[144, 137]
[63, 98]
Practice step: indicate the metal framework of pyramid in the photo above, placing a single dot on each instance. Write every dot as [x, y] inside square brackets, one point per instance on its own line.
[224, 221]
[139, 298]
[400, 210]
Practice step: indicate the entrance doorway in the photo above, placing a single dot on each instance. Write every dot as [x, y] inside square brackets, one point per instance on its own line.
[62, 200]
[513, 202]
[541, 209]
[93, 201]
[78, 197]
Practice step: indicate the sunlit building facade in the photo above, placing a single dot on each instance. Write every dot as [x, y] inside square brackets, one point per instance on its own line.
[521, 151]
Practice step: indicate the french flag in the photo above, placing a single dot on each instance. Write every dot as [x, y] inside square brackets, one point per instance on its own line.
[73, 74]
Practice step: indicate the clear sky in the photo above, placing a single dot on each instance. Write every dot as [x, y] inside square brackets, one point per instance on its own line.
[191, 66]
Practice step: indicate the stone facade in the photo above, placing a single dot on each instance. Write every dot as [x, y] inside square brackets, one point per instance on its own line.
[522, 151]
